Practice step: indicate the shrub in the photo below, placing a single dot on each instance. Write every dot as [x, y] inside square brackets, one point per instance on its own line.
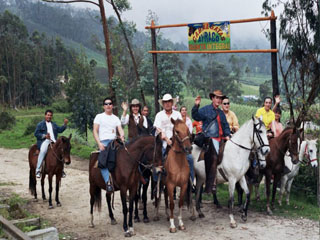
[31, 127]
[60, 106]
[7, 121]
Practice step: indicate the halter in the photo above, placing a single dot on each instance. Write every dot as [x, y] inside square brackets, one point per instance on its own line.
[54, 153]
[180, 141]
[307, 156]
[261, 142]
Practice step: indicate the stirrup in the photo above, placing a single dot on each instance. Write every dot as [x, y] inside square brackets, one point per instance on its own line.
[38, 174]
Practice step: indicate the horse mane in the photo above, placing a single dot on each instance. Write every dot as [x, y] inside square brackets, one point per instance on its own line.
[136, 139]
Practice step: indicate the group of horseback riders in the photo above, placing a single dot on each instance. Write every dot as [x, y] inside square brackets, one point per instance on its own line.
[218, 125]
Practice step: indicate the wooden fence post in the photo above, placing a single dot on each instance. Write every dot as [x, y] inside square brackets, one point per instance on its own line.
[155, 69]
[274, 65]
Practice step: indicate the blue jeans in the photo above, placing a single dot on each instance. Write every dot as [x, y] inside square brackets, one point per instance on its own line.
[104, 171]
[216, 145]
[42, 154]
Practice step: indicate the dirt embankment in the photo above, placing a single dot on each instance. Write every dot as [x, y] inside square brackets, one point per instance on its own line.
[72, 219]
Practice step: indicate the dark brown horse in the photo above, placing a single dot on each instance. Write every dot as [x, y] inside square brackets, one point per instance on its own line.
[178, 172]
[58, 154]
[125, 177]
[287, 140]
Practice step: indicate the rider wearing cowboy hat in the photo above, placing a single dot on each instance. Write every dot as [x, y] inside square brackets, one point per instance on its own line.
[135, 121]
[164, 125]
[211, 115]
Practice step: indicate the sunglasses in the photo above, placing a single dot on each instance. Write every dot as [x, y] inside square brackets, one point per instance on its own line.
[107, 103]
[226, 103]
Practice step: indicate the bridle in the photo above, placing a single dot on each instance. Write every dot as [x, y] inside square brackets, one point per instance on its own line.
[54, 153]
[255, 132]
[180, 141]
[309, 161]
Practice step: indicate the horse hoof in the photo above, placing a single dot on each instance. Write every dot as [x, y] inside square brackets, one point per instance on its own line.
[58, 204]
[50, 207]
[35, 200]
[201, 215]
[156, 218]
[244, 218]
[182, 228]
[127, 234]
[136, 220]
[173, 230]
[193, 218]
[233, 225]
[113, 222]
[146, 220]
[91, 226]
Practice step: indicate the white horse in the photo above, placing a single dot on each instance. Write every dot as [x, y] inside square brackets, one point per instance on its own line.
[308, 151]
[235, 162]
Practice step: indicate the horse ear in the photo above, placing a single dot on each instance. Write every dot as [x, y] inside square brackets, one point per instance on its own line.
[173, 121]
[70, 136]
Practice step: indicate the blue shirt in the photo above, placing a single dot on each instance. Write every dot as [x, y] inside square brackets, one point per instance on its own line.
[207, 114]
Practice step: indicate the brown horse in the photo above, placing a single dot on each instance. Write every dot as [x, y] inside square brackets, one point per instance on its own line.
[125, 177]
[287, 140]
[178, 172]
[58, 154]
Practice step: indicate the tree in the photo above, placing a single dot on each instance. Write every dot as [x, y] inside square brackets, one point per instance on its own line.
[83, 94]
[265, 90]
[299, 55]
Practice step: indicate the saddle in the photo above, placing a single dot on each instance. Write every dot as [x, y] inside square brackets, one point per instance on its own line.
[107, 158]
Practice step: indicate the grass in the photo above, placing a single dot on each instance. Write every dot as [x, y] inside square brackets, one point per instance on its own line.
[299, 205]
[249, 89]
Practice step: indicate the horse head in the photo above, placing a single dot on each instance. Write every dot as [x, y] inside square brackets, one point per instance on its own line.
[310, 152]
[260, 140]
[63, 149]
[182, 135]
[294, 144]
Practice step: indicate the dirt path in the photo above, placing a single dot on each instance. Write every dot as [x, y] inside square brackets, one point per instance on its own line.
[73, 217]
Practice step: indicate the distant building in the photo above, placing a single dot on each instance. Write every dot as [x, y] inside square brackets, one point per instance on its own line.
[247, 98]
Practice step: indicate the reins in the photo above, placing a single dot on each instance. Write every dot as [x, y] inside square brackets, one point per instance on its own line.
[59, 159]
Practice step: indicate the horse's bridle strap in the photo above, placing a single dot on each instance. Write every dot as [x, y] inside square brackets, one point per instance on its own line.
[249, 149]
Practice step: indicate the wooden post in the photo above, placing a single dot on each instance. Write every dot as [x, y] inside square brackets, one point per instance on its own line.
[318, 178]
[274, 65]
[155, 69]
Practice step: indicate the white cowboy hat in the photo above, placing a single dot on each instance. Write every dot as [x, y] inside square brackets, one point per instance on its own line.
[167, 97]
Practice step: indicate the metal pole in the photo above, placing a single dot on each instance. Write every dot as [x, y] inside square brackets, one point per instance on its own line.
[155, 69]
[274, 65]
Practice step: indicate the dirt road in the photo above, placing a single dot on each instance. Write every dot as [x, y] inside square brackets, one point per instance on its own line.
[72, 219]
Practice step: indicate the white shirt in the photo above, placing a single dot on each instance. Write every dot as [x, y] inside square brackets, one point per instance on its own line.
[125, 120]
[50, 131]
[163, 121]
[189, 124]
[107, 125]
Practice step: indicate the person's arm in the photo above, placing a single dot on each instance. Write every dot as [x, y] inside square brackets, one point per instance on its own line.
[225, 125]
[96, 136]
[273, 127]
[121, 133]
[124, 117]
[124, 120]
[63, 127]
[195, 113]
[278, 100]
[38, 133]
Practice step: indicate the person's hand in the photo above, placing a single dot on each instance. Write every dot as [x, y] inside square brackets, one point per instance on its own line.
[124, 106]
[48, 136]
[65, 121]
[197, 100]
[169, 142]
[277, 99]
[122, 138]
[101, 146]
[227, 138]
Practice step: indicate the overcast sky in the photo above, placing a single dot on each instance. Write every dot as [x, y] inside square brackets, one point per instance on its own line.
[187, 11]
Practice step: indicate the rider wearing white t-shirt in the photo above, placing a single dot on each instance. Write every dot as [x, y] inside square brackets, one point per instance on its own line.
[105, 127]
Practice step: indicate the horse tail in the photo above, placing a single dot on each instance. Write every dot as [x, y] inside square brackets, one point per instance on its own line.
[97, 198]
[32, 182]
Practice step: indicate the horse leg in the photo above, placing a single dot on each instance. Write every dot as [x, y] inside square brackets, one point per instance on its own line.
[136, 212]
[268, 179]
[144, 201]
[165, 191]
[140, 203]
[170, 188]
[157, 199]
[232, 184]
[274, 189]
[132, 197]
[113, 220]
[42, 188]
[256, 187]
[183, 191]
[33, 183]
[288, 190]
[92, 198]
[192, 205]
[50, 190]
[198, 194]
[125, 212]
[215, 200]
[244, 186]
[58, 180]
[240, 193]
[284, 180]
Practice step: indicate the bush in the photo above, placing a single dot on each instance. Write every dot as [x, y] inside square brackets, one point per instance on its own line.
[7, 121]
[61, 106]
[31, 127]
